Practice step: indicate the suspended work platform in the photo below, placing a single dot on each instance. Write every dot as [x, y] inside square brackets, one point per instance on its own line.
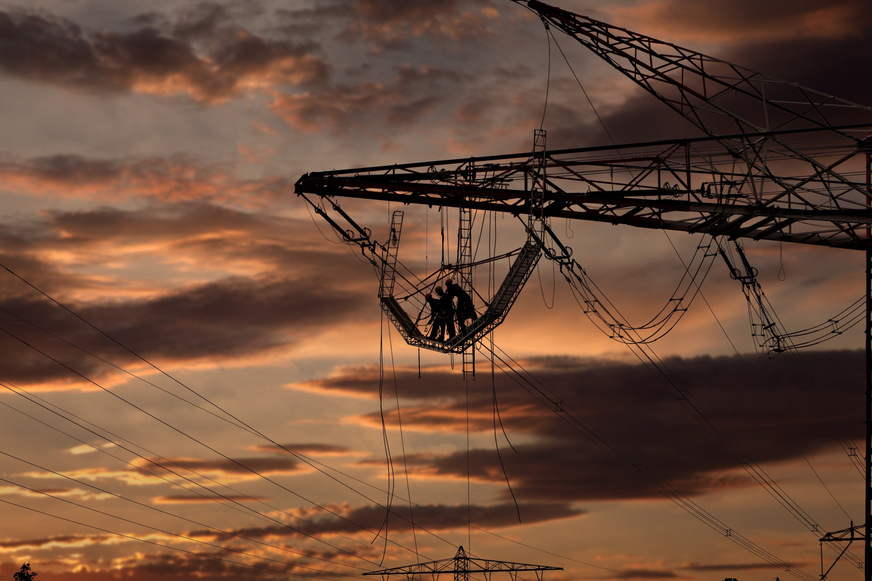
[415, 331]
[462, 565]
[409, 298]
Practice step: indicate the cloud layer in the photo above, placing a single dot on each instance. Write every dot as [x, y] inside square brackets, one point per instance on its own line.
[149, 222]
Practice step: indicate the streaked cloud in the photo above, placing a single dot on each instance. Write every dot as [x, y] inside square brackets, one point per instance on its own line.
[389, 25]
[725, 392]
[175, 179]
[183, 499]
[147, 178]
[312, 449]
[743, 21]
[44, 48]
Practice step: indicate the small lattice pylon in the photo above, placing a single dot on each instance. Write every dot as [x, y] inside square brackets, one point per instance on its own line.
[462, 565]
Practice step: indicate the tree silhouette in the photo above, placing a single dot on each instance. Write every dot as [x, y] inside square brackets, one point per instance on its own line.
[25, 574]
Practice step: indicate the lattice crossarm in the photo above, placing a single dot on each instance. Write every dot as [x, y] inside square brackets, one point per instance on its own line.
[713, 94]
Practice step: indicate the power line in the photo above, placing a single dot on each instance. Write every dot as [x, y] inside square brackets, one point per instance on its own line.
[151, 542]
[522, 377]
[163, 464]
[166, 464]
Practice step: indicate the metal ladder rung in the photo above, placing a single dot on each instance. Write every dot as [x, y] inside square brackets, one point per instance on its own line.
[389, 274]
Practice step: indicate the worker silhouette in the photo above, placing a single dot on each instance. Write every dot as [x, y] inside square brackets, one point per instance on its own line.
[465, 309]
[433, 303]
[443, 316]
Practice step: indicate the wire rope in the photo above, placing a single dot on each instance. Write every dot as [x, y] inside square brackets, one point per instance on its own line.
[389, 462]
[578, 82]
[166, 462]
[542, 286]
[575, 420]
[704, 299]
[468, 471]
[182, 433]
[164, 466]
[646, 355]
[160, 463]
[827, 488]
[548, 38]
[605, 315]
[592, 300]
[150, 542]
[140, 468]
[403, 450]
[183, 537]
[498, 421]
[240, 424]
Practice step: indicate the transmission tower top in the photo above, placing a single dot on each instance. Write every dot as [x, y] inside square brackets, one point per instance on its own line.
[718, 97]
[769, 160]
[461, 566]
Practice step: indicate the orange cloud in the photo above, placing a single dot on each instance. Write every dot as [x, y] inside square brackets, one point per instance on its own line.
[742, 21]
[168, 179]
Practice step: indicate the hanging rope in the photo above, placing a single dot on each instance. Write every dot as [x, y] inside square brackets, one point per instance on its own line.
[386, 442]
[578, 82]
[468, 477]
[403, 445]
[498, 420]
[548, 78]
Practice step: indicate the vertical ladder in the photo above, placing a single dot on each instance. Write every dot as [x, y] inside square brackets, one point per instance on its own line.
[464, 274]
[536, 217]
[389, 272]
[464, 248]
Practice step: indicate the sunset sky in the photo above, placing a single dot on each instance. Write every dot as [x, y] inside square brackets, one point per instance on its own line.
[197, 381]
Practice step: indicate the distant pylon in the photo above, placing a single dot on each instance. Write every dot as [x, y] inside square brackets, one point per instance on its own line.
[461, 565]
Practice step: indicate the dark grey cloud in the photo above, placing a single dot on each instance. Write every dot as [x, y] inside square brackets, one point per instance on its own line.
[296, 294]
[430, 517]
[304, 448]
[644, 574]
[368, 520]
[226, 319]
[192, 499]
[828, 65]
[227, 466]
[154, 59]
[734, 566]
[609, 430]
[791, 41]
[207, 565]
[392, 24]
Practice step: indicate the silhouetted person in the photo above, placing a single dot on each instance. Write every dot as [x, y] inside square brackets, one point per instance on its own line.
[465, 310]
[433, 303]
[444, 319]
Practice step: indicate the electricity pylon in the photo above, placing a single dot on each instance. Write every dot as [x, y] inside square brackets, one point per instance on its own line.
[769, 160]
[461, 566]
